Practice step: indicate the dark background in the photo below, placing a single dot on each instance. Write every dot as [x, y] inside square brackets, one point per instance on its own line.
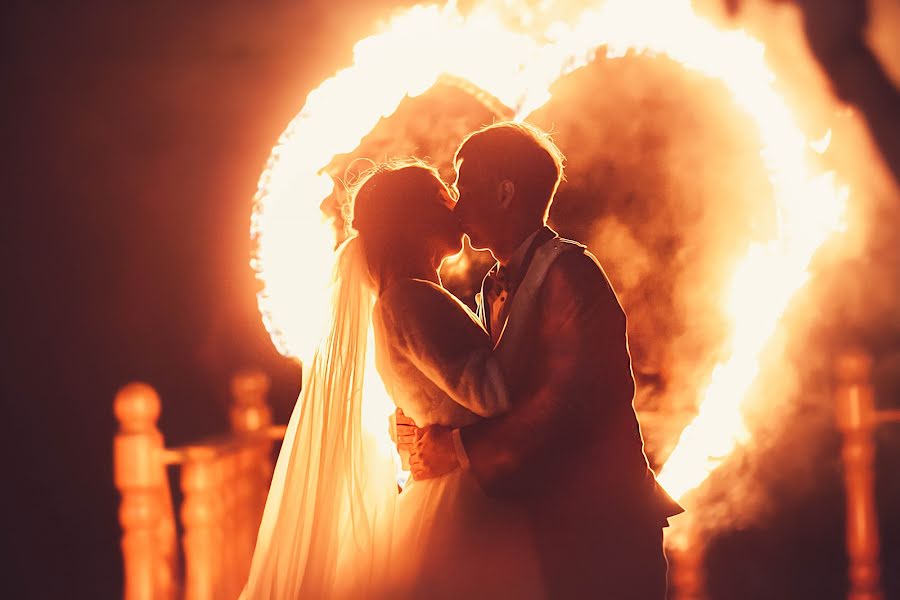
[134, 134]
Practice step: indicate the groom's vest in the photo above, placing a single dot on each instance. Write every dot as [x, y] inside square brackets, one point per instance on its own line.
[545, 249]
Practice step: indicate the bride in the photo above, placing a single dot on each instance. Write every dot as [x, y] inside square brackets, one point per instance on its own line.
[334, 525]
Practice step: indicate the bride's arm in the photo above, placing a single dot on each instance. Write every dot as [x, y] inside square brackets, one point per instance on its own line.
[442, 339]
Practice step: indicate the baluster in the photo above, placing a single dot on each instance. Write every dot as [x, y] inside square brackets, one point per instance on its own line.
[856, 418]
[231, 543]
[247, 506]
[198, 513]
[261, 479]
[245, 550]
[221, 521]
[224, 521]
[169, 576]
[250, 412]
[140, 477]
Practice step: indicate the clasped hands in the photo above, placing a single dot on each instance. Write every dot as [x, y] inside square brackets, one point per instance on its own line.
[431, 450]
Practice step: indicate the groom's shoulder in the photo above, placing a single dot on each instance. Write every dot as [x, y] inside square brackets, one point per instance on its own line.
[577, 271]
[575, 263]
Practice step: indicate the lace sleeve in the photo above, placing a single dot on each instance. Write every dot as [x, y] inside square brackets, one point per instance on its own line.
[443, 340]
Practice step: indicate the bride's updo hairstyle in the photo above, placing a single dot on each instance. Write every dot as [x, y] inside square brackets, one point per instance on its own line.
[400, 217]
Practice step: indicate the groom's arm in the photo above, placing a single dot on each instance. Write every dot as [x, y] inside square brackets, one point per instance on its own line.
[583, 336]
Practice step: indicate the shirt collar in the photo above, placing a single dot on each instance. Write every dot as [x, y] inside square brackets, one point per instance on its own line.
[515, 262]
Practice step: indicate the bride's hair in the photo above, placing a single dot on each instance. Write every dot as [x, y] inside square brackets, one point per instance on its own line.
[396, 212]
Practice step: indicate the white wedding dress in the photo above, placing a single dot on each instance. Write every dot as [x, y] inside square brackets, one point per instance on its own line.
[450, 540]
[334, 526]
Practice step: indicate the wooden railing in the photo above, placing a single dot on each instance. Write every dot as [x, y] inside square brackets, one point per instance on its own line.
[224, 482]
[857, 418]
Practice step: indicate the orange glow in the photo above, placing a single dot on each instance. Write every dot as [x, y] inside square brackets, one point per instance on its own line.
[456, 264]
[416, 47]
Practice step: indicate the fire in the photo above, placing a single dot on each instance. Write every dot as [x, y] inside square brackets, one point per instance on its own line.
[294, 243]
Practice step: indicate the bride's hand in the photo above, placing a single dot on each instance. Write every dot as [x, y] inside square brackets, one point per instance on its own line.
[403, 431]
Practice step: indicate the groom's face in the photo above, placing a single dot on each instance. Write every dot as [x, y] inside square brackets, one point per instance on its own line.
[477, 208]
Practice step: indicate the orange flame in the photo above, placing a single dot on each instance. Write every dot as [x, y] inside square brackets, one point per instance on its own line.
[421, 44]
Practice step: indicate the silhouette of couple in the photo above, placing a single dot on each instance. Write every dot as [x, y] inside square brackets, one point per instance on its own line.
[529, 478]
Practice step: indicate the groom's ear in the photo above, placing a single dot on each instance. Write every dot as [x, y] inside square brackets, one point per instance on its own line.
[506, 190]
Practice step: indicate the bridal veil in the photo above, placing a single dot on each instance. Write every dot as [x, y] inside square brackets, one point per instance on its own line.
[328, 520]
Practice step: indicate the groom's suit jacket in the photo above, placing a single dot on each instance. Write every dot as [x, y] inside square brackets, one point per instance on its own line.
[570, 449]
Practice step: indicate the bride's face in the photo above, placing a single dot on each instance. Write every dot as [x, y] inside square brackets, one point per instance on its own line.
[407, 222]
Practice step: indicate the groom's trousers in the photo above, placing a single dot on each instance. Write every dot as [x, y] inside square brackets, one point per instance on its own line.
[611, 560]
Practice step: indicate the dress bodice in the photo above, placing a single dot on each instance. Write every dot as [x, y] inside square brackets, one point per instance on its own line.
[434, 356]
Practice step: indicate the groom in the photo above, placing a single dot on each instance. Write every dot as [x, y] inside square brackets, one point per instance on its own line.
[570, 450]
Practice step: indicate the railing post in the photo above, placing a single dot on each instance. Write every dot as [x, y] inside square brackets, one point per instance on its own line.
[250, 411]
[856, 418]
[230, 523]
[140, 477]
[199, 513]
[249, 515]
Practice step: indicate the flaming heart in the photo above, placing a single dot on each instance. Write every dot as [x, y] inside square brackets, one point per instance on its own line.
[425, 43]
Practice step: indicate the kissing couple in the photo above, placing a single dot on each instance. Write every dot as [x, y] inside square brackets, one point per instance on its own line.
[529, 478]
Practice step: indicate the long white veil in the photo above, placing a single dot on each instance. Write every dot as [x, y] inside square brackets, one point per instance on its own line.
[326, 528]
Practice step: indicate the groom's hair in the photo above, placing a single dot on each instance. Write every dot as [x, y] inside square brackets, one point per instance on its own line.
[520, 152]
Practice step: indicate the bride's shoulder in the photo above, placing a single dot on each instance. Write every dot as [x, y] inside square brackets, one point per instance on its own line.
[419, 295]
[412, 291]
[413, 285]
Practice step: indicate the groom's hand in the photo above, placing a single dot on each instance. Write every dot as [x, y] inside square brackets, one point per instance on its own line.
[433, 453]
[403, 431]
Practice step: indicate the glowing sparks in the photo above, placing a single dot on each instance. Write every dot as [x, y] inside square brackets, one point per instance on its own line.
[417, 47]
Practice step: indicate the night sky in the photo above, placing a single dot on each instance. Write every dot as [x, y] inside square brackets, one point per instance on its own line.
[134, 137]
